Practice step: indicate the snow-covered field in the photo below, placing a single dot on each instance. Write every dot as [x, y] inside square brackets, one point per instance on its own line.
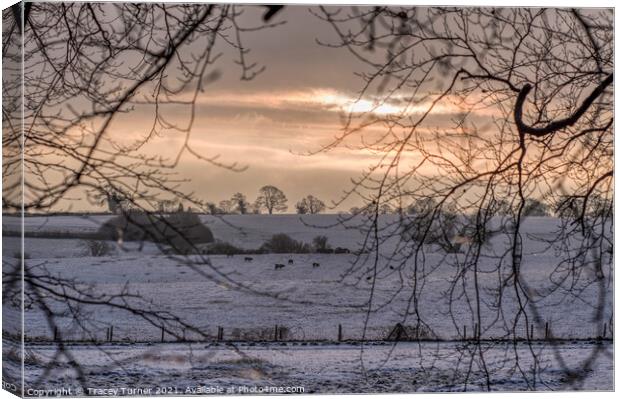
[319, 368]
[248, 299]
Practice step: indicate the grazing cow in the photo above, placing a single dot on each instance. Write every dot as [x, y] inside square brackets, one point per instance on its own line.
[290, 261]
[248, 259]
[279, 266]
[316, 264]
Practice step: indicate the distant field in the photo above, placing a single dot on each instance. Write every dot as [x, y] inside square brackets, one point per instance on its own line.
[249, 298]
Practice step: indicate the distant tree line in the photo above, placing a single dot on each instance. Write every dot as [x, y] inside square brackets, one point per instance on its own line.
[270, 200]
[563, 208]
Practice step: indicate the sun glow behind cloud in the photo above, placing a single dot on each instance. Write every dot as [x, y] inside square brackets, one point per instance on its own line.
[337, 101]
[273, 133]
[327, 99]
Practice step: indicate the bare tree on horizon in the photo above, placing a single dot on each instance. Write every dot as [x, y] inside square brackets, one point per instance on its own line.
[271, 199]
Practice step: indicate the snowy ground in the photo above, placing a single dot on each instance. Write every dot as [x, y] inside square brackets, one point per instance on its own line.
[323, 368]
[248, 299]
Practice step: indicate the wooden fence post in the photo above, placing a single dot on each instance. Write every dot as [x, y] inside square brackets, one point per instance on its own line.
[339, 332]
[162, 333]
[546, 331]
[111, 333]
[531, 331]
[464, 332]
[55, 334]
[275, 333]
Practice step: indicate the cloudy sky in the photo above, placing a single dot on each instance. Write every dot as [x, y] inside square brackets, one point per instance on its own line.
[274, 126]
[270, 124]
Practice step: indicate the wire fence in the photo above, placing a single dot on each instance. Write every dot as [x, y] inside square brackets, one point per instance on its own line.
[339, 333]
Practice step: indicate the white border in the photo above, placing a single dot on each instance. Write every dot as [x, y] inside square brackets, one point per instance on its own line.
[523, 3]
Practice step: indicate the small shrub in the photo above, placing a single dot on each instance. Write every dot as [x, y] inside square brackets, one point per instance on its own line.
[321, 245]
[96, 247]
[284, 244]
[224, 248]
